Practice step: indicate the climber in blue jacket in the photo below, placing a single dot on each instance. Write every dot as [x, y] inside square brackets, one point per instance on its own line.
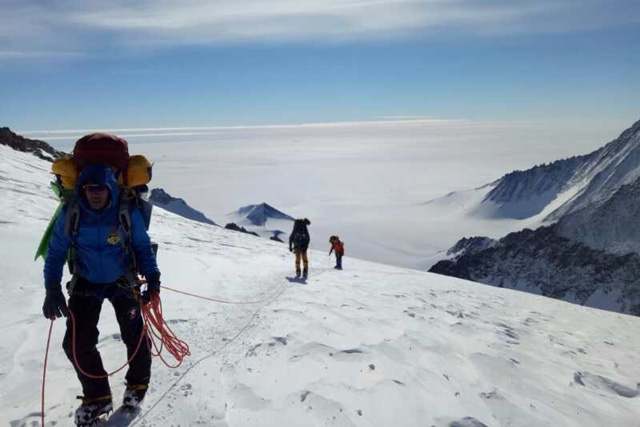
[106, 241]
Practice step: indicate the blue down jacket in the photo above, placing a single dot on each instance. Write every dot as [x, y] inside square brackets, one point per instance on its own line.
[100, 254]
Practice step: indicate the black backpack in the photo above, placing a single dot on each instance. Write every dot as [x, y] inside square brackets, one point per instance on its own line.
[300, 236]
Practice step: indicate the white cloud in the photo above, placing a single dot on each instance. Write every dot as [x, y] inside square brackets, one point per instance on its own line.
[69, 24]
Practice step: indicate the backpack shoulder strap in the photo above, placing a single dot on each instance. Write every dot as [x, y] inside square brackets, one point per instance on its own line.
[71, 226]
[124, 218]
[72, 219]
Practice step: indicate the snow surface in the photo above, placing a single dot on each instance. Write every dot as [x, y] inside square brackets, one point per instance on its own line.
[371, 345]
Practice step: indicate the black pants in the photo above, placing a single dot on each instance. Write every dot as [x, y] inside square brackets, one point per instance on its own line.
[86, 303]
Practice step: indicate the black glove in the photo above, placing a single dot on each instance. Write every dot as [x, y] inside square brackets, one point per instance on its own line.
[54, 303]
[153, 287]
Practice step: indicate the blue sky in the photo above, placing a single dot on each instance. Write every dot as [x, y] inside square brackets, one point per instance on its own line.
[73, 64]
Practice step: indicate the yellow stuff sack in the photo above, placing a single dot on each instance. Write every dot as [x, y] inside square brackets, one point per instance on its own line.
[138, 171]
[67, 172]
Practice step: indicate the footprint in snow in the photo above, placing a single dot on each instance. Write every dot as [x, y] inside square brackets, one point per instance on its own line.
[252, 351]
[352, 351]
[598, 382]
[174, 321]
[467, 422]
[23, 422]
[509, 332]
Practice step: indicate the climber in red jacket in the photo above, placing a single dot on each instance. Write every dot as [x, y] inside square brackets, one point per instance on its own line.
[338, 247]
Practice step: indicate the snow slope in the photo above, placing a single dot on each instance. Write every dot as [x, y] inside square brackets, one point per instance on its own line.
[371, 345]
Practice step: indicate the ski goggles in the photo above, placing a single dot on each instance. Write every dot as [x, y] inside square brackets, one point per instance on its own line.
[95, 188]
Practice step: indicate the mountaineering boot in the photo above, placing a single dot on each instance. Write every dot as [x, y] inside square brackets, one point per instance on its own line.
[133, 395]
[298, 273]
[305, 273]
[91, 409]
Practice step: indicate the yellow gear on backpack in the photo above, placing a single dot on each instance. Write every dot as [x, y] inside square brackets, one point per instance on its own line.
[138, 172]
[67, 172]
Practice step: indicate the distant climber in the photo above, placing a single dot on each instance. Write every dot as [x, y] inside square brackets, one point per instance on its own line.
[104, 236]
[299, 243]
[338, 247]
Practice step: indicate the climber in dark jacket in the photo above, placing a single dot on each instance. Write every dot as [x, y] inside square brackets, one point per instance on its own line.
[102, 256]
[299, 243]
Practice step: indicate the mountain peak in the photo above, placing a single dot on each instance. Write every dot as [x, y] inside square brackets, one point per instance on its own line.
[260, 214]
[585, 178]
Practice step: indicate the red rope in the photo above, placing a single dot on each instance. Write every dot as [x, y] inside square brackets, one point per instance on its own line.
[44, 371]
[215, 299]
[158, 329]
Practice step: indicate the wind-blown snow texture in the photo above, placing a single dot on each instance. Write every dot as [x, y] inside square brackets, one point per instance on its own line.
[371, 345]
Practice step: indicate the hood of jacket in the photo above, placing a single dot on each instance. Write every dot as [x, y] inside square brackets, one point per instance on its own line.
[98, 174]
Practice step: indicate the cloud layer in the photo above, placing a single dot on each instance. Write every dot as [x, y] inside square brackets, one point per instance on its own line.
[83, 25]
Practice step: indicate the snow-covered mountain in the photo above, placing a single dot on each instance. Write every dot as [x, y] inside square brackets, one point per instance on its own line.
[263, 220]
[371, 345]
[161, 198]
[588, 254]
[523, 194]
[573, 183]
[259, 215]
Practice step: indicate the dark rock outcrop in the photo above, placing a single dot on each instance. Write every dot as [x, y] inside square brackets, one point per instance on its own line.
[233, 226]
[39, 148]
[544, 262]
[471, 245]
